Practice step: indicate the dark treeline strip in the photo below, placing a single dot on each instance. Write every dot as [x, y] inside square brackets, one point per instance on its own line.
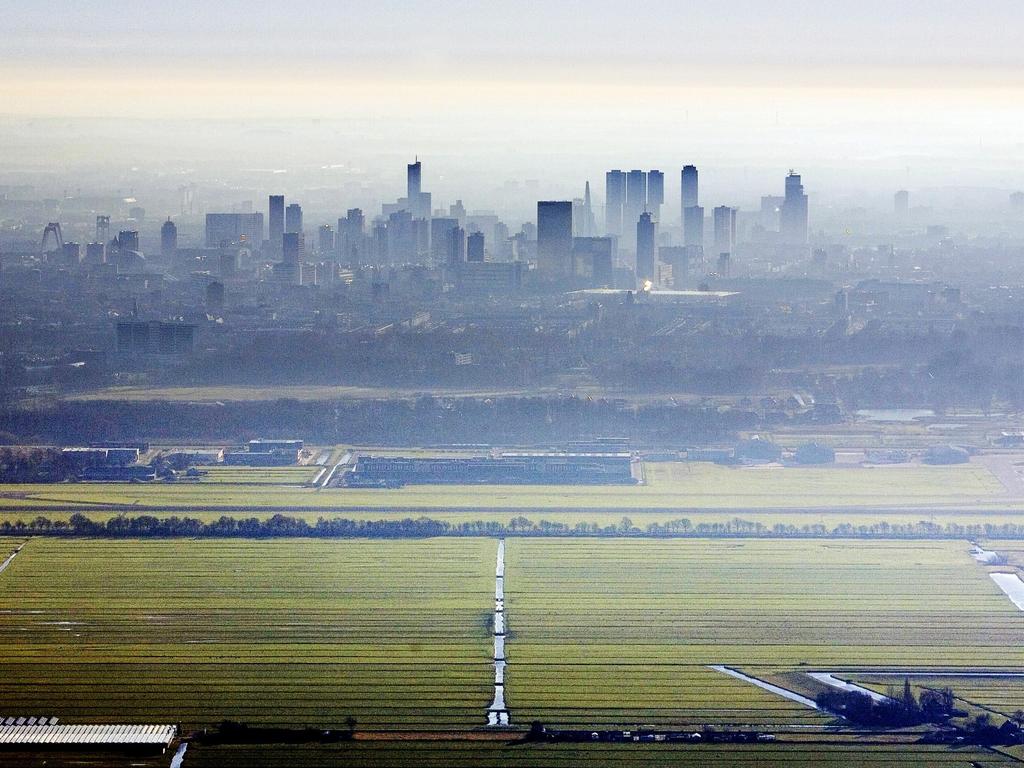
[422, 421]
[284, 526]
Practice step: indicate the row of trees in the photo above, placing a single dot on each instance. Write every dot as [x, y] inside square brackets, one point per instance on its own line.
[895, 710]
[280, 525]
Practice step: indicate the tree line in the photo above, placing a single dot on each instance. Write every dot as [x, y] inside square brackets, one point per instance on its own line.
[285, 526]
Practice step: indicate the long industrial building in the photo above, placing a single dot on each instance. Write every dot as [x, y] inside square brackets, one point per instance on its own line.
[507, 469]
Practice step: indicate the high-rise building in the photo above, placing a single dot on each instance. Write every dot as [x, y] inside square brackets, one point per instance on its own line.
[655, 193]
[614, 199]
[688, 188]
[793, 224]
[475, 247]
[351, 240]
[456, 238]
[725, 229]
[234, 229]
[103, 229]
[325, 240]
[636, 203]
[127, 240]
[901, 203]
[168, 239]
[693, 225]
[275, 221]
[440, 238]
[413, 180]
[554, 238]
[71, 254]
[645, 250]
[293, 218]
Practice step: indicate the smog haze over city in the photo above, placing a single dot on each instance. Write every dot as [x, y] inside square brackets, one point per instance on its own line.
[516, 384]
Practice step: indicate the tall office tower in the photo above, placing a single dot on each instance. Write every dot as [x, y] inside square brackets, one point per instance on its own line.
[413, 180]
[275, 221]
[168, 239]
[636, 203]
[292, 246]
[793, 224]
[289, 269]
[655, 193]
[293, 218]
[440, 235]
[456, 246]
[693, 225]
[475, 247]
[103, 229]
[350, 241]
[688, 187]
[901, 203]
[554, 238]
[457, 211]
[645, 250]
[614, 199]
[725, 229]
[325, 240]
[235, 229]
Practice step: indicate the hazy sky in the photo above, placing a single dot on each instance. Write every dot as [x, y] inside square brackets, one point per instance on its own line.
[191, 55]
[783, 82]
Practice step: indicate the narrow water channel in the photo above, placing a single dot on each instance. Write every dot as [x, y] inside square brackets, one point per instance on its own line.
[497, 714]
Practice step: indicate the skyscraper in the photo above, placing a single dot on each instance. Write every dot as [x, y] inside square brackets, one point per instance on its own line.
[440, 229]
[235, 229]
[614, 198]
[655, 193]
[275, 221]
[793, 223]
[293, 218]
[554, 237]
[688, 187]
[693, 225]
[456, 238]
[636, 203]
[168, 239]
[475, 247]
[413, 180]
[725, 229]
[644, 249]
[325, 240]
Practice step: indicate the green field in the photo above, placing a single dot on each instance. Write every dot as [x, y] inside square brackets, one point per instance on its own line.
[621, 632]
[291, 632]
[489, 755]
[671, 487]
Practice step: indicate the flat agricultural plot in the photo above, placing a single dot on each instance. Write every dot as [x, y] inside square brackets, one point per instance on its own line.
[676, 486]
[393, 633]
[441, 754]
[621, 632]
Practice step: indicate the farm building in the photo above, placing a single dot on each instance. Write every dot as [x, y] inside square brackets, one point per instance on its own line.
[46, 733]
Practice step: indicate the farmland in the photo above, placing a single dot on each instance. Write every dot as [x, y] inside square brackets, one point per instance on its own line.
[671, 487]
[284, 632]
[622, 632]
[396, 635]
